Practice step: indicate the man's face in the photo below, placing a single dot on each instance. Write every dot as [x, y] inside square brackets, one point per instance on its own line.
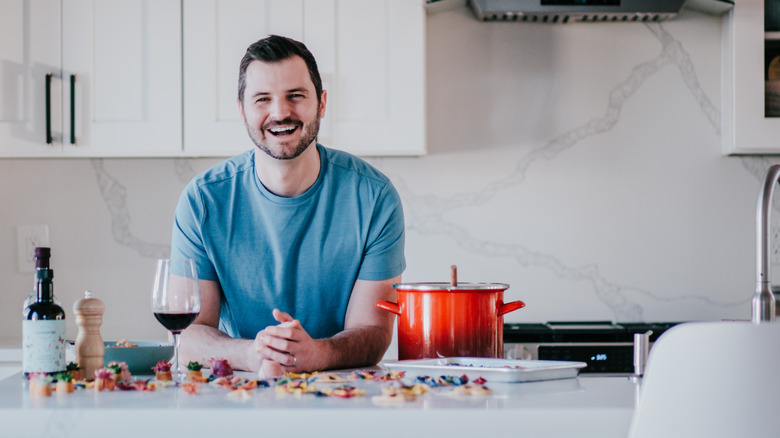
[280, 108]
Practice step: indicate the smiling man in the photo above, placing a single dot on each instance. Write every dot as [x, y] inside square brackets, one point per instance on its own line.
[294, 242]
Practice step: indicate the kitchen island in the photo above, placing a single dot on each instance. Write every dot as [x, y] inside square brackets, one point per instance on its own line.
[584, 406]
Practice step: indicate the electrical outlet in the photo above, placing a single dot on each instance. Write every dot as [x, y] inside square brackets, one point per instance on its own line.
[774, 250]
[28, 237]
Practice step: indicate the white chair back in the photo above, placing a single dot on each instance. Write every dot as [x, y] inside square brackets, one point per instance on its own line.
[711, 379]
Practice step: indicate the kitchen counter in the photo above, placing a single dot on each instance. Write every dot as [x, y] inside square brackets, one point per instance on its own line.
[582, 407]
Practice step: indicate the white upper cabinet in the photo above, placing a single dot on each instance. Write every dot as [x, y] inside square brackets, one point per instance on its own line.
[115, 84]
[216, 35]
[123, 83]
[29, 51]
[127, 81]
[370, 53]
[750, 123]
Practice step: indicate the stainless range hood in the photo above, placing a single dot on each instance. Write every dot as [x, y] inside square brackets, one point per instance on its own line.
[562, 11]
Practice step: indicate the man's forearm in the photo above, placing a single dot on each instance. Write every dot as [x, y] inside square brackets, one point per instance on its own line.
[356, 347]
[201, 342]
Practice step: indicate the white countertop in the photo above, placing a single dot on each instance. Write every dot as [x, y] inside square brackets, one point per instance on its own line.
[581, 407]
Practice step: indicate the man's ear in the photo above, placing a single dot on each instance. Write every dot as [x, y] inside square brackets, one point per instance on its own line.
[323, 99]
[241, 110]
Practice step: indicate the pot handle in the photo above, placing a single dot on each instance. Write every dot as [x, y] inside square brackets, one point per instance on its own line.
[508, 307]
[390, 307]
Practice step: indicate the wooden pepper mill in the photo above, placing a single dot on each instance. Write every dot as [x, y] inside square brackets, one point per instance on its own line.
[89, 344]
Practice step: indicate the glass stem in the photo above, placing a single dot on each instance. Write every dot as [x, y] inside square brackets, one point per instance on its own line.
[176, 377]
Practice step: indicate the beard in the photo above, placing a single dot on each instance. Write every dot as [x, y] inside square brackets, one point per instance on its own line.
[286, 151]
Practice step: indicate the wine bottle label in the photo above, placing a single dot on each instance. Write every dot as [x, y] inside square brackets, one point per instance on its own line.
[43, 346]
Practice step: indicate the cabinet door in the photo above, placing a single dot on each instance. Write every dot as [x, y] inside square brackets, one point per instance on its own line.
[746, 128]
[29, 50]
[370, 54]
[125, 58]
[216, 35]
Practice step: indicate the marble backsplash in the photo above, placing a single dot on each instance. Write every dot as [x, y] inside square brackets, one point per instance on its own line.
[578, 163]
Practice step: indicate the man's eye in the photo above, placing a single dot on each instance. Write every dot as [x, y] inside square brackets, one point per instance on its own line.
[262, 99]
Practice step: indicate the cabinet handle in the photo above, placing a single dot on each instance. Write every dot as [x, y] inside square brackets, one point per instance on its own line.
[72, 109]
[49, 139]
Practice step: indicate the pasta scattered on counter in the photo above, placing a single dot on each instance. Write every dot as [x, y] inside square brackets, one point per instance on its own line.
[393, 386]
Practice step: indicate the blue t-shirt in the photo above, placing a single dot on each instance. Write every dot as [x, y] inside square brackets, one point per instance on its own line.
[301, 255]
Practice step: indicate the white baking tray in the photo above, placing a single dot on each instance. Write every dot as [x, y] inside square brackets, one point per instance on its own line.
[492, 370]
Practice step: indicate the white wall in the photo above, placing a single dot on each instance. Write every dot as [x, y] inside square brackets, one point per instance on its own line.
[579, 163]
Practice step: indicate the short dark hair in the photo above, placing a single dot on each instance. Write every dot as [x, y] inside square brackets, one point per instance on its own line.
[277, 48]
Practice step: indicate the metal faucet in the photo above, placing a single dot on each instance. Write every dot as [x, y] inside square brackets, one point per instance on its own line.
[764, 300]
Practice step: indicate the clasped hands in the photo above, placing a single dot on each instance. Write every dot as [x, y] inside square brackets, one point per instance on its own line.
[283, 347]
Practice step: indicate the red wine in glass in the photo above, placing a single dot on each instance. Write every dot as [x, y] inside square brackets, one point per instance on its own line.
[176, 300]
[175, 322]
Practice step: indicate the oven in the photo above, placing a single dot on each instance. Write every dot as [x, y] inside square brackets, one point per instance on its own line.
[607, 347]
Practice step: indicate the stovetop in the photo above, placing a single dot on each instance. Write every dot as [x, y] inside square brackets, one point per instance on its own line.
[582, 331]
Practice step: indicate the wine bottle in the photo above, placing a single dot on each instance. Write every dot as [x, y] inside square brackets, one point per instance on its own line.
[43, 324]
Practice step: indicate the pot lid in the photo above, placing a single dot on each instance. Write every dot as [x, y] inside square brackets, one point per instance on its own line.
[448, 287]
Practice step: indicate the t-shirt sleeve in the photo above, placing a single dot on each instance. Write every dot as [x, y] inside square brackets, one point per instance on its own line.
[187, 236]
[384, 255]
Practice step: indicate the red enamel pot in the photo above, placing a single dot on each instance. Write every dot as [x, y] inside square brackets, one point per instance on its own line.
[442, 320]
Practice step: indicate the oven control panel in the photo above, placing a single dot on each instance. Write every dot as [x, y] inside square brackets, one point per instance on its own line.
[601, 358]
[606, 347]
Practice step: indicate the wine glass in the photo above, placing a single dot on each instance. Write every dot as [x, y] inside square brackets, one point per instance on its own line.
[176, 300]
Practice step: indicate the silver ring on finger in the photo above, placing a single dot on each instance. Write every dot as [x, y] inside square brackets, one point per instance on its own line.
[295, 360]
